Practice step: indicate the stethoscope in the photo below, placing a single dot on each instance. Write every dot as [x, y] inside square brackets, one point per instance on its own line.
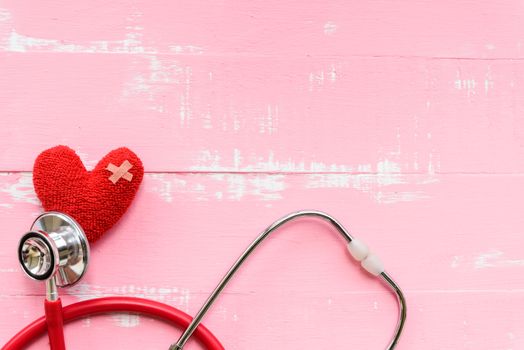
[56, 251]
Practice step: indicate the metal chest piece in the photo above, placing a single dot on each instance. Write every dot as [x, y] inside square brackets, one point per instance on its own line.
[56, 246]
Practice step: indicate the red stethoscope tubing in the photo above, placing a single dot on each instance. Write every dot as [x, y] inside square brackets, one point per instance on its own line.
[56, 316]
[55, 324]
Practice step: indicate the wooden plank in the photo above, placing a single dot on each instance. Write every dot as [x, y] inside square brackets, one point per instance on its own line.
[246, 320]
[349, 115]
[460, 226]
[463, 29]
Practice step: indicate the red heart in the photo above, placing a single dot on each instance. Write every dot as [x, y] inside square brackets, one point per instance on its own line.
[95, 199]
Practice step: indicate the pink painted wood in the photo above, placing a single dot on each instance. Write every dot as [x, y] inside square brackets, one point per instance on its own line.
[405, 120]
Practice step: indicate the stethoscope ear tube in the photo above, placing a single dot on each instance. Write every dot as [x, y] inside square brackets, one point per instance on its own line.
[358, 250]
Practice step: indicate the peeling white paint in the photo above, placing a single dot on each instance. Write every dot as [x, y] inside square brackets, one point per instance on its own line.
[211, 161]
[266, 187]
[208, 160]
[180, 297]
[126, 320]
[456, 261]
[237, 123]
[5, 15]
[389, 172]
[131, 44]
[333, 74]
[330, 28]
[466, 84]
[268, 124]
[365, 177]
[369, 183]
[316, 79]
[488, 81]
[495, 258]
[396, 197]
[22, 190]
[21, 43]
[237, 158]
[159, 77]
[218, 186]
[165, 186]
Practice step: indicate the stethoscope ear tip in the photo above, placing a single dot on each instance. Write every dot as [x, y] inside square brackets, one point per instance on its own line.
[56, 246]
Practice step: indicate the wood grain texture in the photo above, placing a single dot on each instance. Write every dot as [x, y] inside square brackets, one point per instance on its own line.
[405, 120]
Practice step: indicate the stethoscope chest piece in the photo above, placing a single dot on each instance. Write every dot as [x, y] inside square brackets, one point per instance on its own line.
[56, 246]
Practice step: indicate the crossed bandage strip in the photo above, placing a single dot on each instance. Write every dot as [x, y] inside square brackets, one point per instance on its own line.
[120, 172]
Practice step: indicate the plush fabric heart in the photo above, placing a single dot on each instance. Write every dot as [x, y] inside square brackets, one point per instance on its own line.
[95, 199]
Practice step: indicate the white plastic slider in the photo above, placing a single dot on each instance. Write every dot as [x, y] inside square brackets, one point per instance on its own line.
[370, 262]
[358, 249]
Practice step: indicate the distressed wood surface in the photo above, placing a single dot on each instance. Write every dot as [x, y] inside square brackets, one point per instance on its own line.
[403, 120]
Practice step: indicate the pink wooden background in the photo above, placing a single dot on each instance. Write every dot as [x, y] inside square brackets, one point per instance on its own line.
[404, 119]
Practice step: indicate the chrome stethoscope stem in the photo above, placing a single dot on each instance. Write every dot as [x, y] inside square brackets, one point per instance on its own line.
[227, 277]
[402, 308]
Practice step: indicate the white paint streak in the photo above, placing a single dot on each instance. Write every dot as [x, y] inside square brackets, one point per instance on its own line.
[469, 85]
[330, 28]
[488, 81]
[211, 161]
[126, 320]
[268, 123]
[22, 190]
[456, 261]
[218, 186]
[396, 197]
[132, 43]
[5, 15]
[185, 103]
[22, 43]
[317, 79]
[365, 177]
[180, 297]
[495, 258]
[161, 74]
[466, 84]
[265, 187]
[333, 74]
[165, 186]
